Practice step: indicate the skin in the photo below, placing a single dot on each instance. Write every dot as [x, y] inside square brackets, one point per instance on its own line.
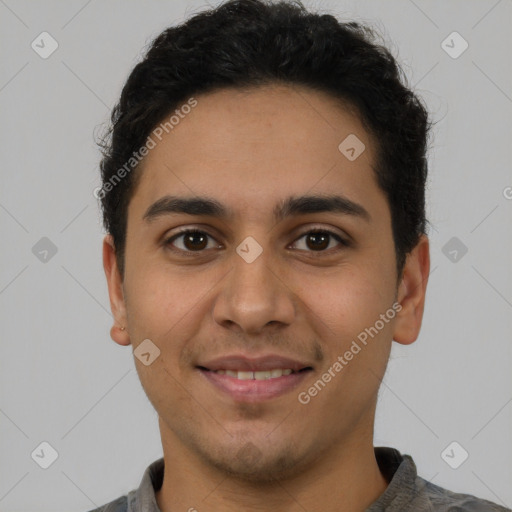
[249, 150]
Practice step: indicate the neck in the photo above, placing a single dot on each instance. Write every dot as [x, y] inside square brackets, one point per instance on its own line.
[345, 479]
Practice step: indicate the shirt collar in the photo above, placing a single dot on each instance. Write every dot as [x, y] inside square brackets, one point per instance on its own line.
[143, 499]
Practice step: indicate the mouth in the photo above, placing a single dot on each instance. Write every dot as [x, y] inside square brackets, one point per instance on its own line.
[254, 380]
[256, 375]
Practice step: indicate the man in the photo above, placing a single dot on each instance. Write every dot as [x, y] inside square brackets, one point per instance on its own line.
[264, 198]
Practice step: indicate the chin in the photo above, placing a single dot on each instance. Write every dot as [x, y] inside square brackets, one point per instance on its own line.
[251, 464]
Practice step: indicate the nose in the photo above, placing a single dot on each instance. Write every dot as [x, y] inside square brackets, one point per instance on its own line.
[254, 297]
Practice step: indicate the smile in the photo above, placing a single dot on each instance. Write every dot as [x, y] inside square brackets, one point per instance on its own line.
[254, 382]
[257, 375]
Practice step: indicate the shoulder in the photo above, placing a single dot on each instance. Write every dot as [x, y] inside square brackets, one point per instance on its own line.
[145, 493]
[434, 497]
[409, 491]
[118, 505]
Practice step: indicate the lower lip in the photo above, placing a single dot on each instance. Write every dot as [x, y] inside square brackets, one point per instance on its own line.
[252, 390]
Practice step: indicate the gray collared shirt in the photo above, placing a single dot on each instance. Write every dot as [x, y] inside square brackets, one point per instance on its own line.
[406, 491]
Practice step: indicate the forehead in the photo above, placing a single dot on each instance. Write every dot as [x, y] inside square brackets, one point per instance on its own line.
[252, 146]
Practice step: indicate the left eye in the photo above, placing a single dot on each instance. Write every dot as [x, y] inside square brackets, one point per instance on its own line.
[320, 240]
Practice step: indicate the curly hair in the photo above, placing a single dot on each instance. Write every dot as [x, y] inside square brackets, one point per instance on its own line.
[248, 43]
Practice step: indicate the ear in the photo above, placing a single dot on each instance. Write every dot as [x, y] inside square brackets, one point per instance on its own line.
[115, 291]
[411, 293]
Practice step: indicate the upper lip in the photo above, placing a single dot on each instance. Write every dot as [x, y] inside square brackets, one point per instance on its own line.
[254, 364]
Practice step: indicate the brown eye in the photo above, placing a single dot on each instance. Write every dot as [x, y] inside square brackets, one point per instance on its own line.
[320, 240]
[191, 241]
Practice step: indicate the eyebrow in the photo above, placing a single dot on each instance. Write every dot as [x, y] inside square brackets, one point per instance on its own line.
[292, 206]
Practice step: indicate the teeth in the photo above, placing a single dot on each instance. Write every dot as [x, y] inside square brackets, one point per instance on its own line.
[245, 375]
[261, 375]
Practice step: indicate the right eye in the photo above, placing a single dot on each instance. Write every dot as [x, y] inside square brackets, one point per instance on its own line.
[192, 240]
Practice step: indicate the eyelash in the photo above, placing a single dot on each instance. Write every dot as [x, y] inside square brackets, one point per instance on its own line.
[338, 238]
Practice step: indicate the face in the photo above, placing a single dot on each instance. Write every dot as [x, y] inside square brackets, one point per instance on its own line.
[258, 312]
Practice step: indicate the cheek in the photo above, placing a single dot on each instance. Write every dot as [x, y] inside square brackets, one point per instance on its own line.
[165, 308]
[169, 306]
[349, 301]
[347, 312]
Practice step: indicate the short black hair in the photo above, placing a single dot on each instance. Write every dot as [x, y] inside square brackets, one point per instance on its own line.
[247, 43]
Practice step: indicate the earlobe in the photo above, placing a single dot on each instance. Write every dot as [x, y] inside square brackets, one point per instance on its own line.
[411, 293]
[118, 332]
[119, 335]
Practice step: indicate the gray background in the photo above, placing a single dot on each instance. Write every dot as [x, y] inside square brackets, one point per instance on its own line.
[64, 381]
